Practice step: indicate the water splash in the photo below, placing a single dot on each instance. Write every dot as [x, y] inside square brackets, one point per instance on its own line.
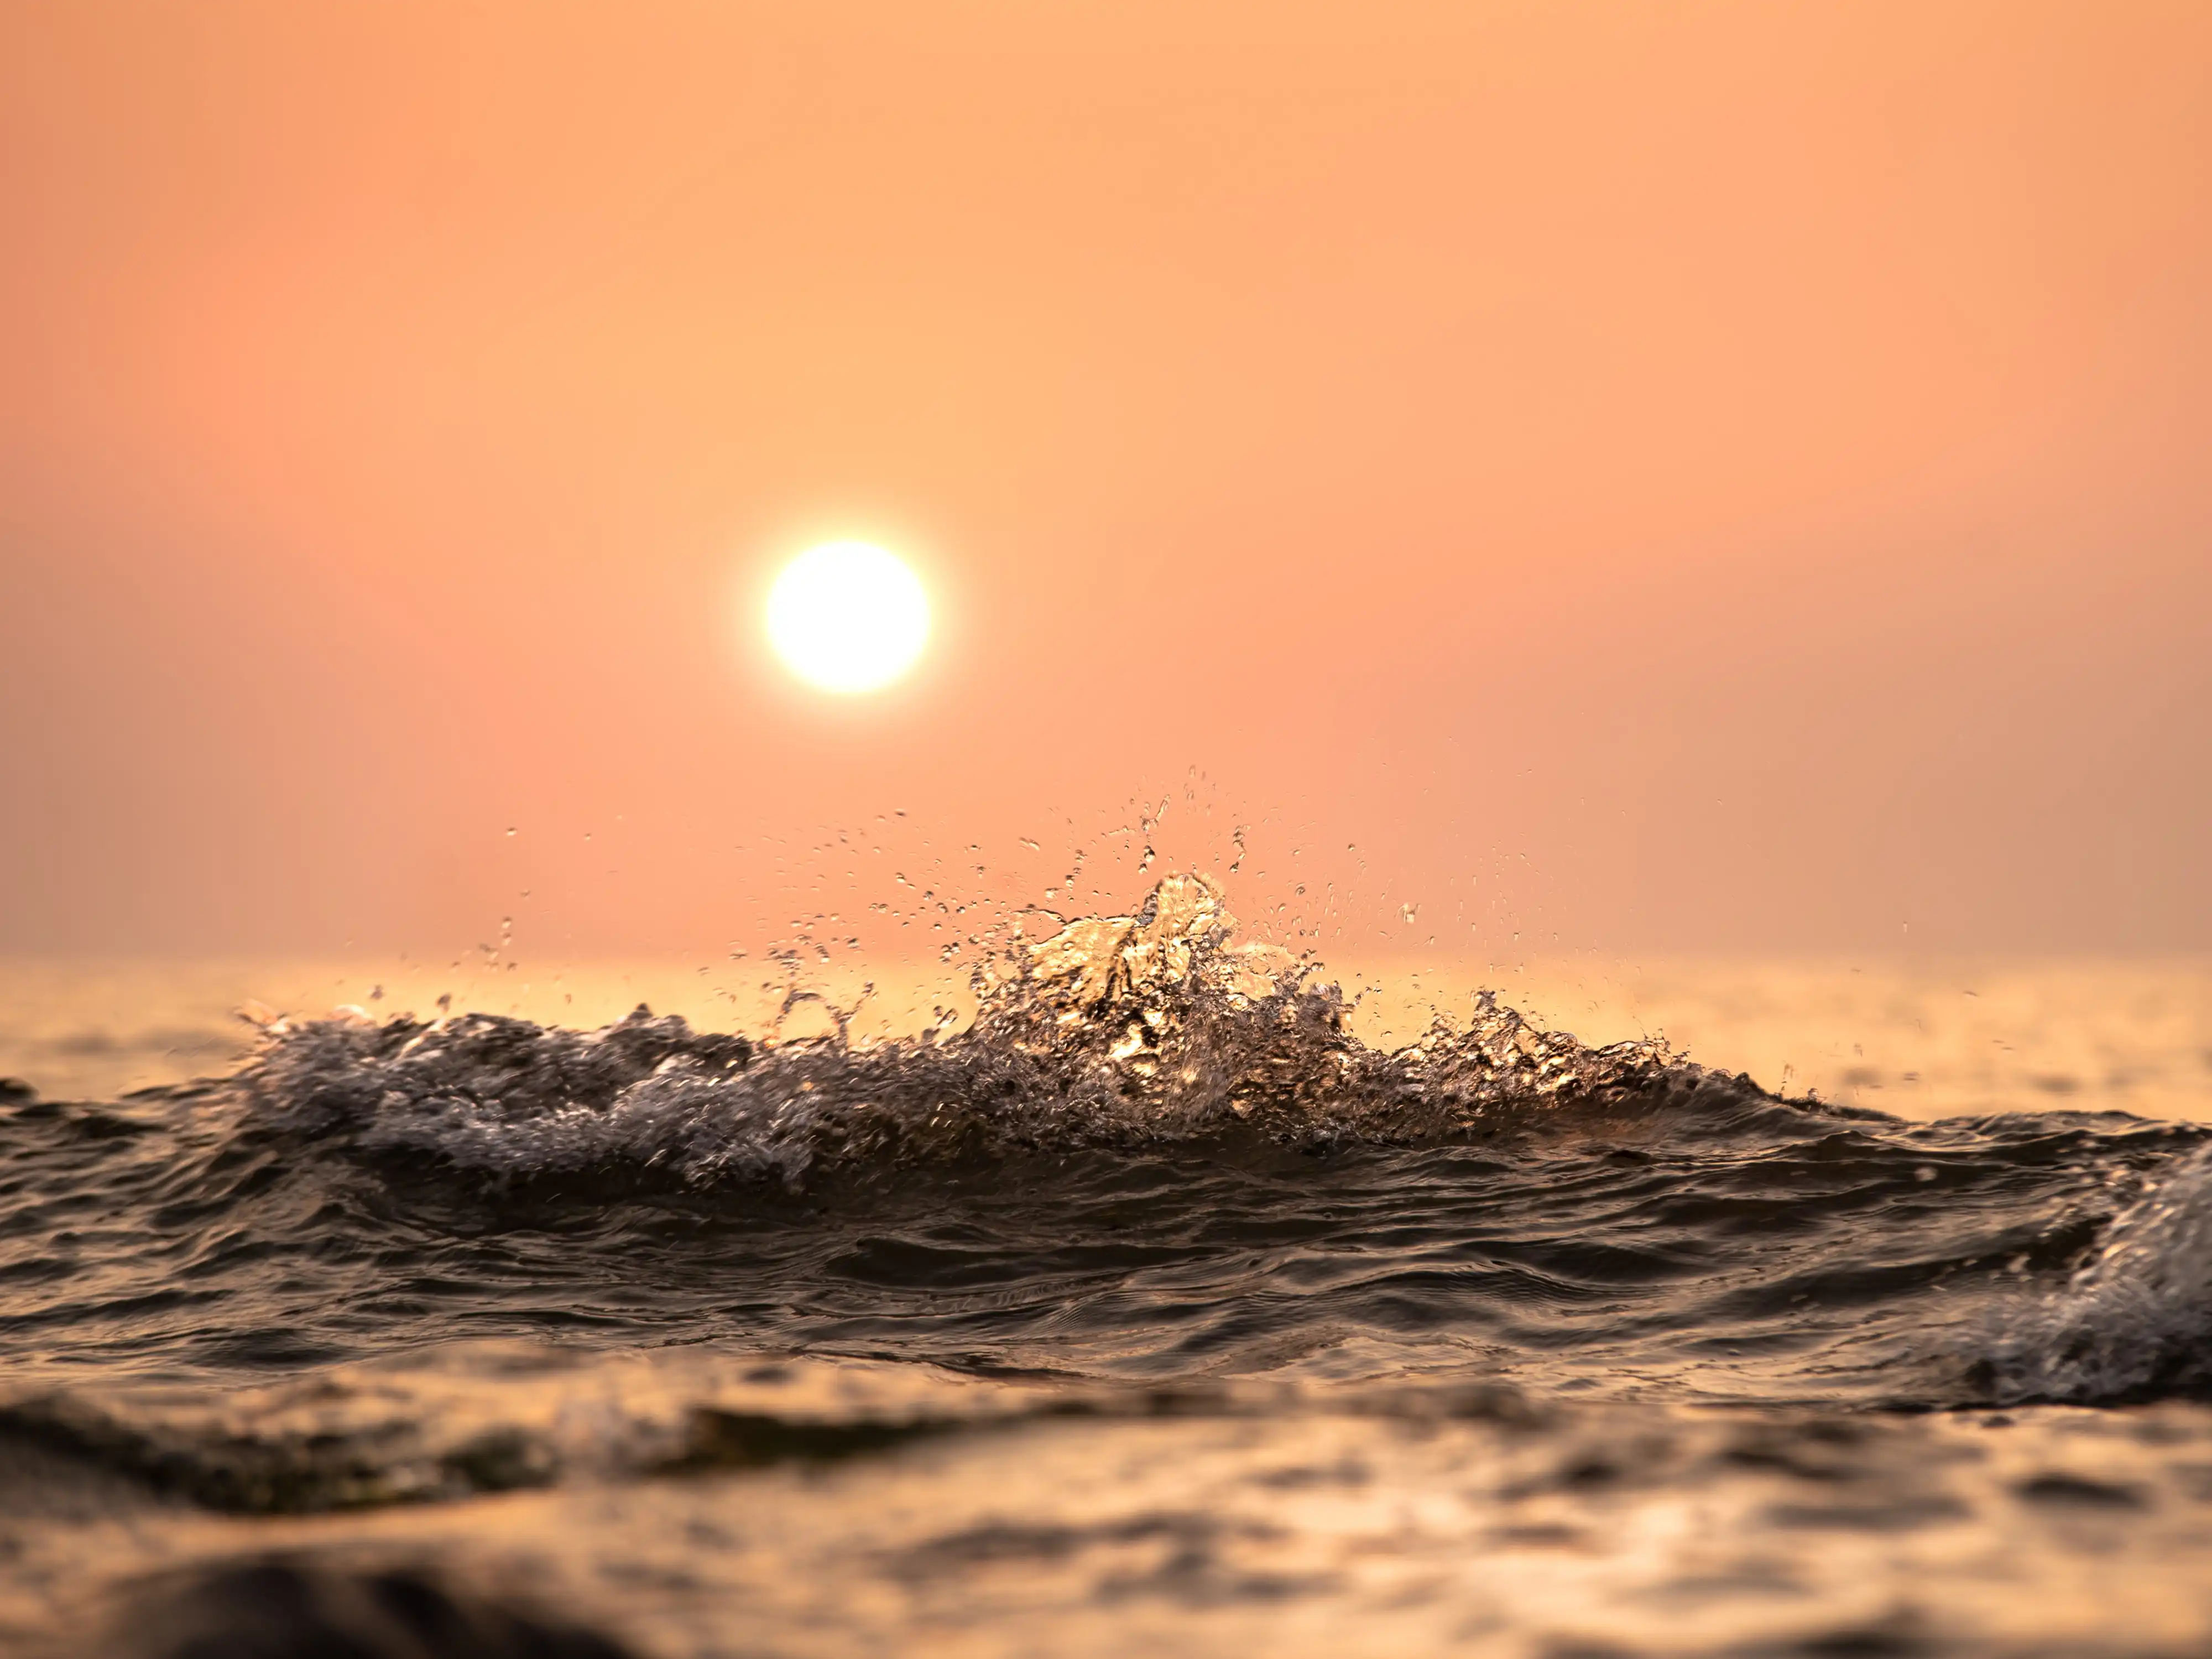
[1113, 1029]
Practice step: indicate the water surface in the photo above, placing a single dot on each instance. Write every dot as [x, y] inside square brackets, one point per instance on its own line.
[1153, 1308]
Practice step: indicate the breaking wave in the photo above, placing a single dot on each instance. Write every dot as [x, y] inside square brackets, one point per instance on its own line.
[1157, 1153]
[1146, 1029]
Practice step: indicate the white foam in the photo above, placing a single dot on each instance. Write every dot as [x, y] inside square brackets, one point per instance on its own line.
[2136, 1321]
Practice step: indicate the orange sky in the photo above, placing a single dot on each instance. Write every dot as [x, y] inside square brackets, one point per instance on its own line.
[1735, 474]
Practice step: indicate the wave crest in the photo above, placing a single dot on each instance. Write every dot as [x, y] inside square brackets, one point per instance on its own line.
[1113, 1031]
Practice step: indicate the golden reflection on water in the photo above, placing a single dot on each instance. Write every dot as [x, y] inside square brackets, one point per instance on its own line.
[1920, 1040]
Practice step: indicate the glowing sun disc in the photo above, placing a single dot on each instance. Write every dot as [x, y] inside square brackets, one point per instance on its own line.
[848, 617]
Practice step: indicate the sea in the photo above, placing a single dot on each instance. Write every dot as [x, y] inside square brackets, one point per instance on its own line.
[1167, 1293]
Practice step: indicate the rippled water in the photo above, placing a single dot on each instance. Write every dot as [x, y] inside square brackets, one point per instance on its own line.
[1150, 1309]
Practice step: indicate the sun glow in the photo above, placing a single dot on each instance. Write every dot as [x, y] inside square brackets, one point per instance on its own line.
[848, 617]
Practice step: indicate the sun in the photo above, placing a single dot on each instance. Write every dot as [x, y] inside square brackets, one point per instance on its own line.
[848, 617]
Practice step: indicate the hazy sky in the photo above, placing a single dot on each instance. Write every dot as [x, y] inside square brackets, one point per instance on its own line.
[1733, 475]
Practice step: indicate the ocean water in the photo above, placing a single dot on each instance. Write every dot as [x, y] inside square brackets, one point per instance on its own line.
[1163, 1298]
